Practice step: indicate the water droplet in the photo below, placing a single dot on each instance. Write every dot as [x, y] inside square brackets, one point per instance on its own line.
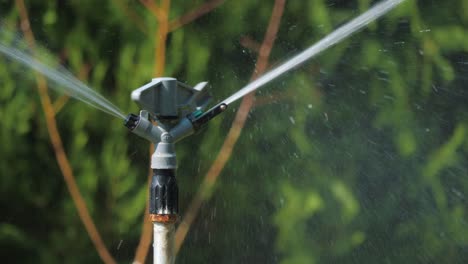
[292, 120]
[389, 97]
[458, 193]
[120, 244]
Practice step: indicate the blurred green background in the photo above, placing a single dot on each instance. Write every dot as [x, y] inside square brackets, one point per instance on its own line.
[359, 156]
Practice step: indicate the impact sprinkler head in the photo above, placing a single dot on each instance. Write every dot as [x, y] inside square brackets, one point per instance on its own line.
[176, 110]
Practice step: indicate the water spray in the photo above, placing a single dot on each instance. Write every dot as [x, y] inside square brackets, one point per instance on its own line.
[62, 79]
[171, 111]
[331, 39]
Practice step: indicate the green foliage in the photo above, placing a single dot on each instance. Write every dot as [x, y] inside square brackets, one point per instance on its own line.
[359, 156]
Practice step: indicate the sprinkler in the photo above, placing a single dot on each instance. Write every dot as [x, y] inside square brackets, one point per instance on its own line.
[171, 111]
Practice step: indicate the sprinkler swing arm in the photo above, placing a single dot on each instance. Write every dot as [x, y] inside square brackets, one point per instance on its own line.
[171, 111]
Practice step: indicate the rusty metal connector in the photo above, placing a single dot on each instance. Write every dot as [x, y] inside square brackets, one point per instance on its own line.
[163, 218]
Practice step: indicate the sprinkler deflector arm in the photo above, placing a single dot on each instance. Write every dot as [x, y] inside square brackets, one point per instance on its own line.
[198, 120]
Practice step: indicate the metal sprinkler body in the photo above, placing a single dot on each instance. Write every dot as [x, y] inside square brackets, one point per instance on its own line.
[171, 111]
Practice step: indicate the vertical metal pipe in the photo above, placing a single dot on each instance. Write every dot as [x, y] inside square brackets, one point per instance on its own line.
[163, 243]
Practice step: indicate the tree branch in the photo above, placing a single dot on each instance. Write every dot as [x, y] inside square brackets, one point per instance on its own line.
[153, 8]
[60, 154]
[249, 43]
[163, 30]
[147, 227]
[139, 23]
[204, 191]
[194, 14]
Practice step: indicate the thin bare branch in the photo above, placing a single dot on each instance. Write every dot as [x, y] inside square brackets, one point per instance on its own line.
[204, 192]
[163, 30]
[194, 14]
[153, 8]
[60, 154]
[136, 20]
[60, 103]
[273, 98]
[146, 230]
[249, 43]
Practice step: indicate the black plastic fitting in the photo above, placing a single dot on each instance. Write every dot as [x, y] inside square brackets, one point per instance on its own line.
[164, 193]
[131, 121]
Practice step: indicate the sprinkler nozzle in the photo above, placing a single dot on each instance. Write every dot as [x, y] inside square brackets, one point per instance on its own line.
[131, 121]
[142, 126]
[198, 119]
